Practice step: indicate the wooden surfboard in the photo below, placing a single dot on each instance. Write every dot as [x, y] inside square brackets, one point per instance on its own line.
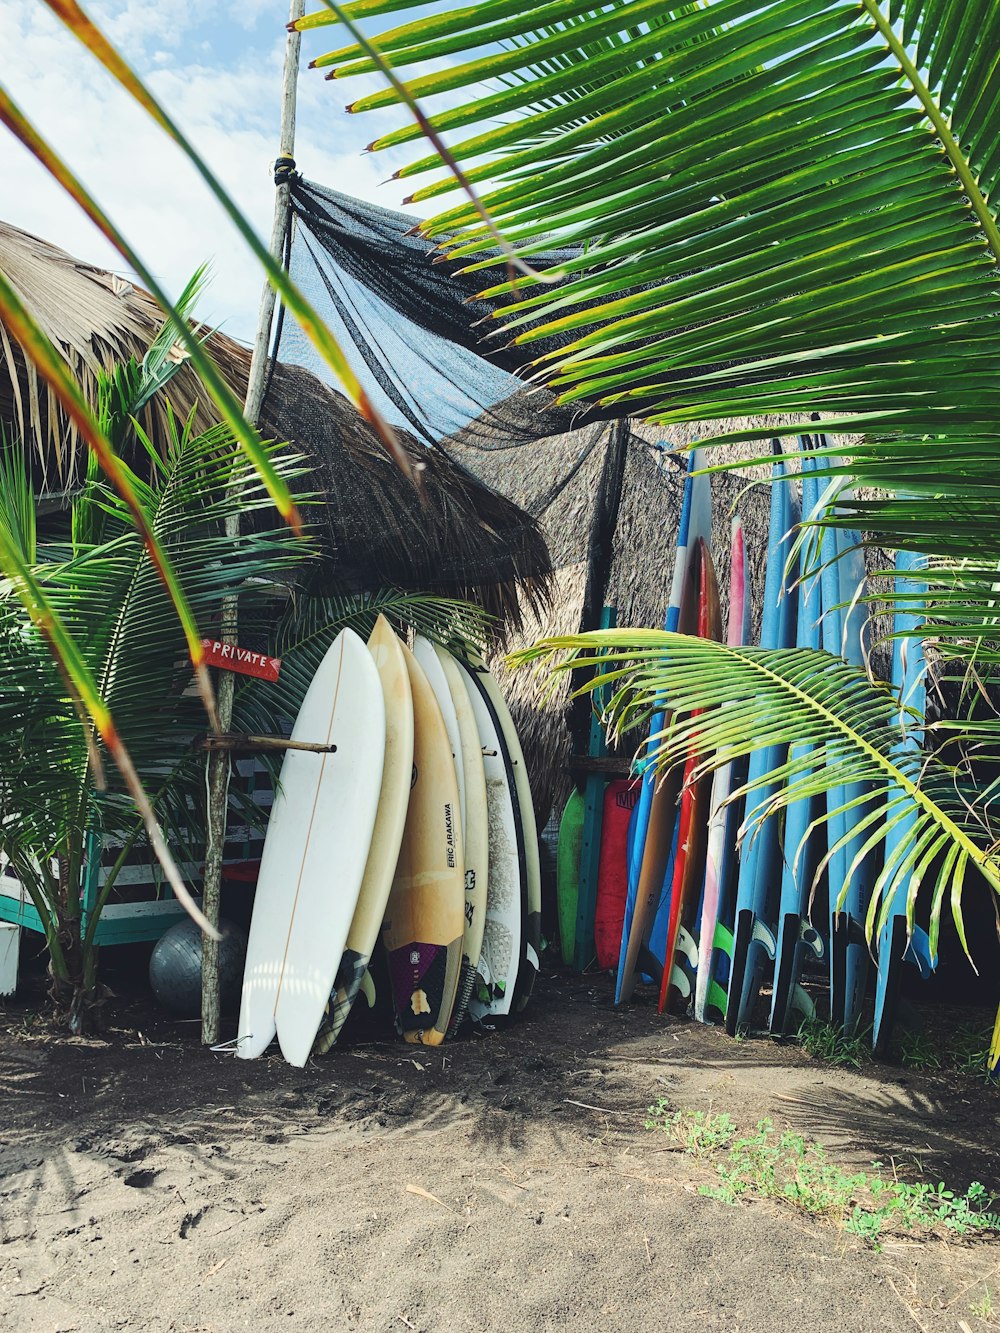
[568, 873]
[475, 834]
[387, 653]
[803, 845]
[425, 916]
[758, 890]
[895, 943]
[653, 829]
[850, 958]
[314, 856]
[662, 823]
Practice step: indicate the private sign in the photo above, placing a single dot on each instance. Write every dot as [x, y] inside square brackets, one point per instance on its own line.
[231, 657]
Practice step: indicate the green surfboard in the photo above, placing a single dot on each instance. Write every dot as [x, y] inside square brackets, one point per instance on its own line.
[568, 873]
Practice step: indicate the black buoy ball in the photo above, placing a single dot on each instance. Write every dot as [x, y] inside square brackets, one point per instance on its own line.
[175, 968]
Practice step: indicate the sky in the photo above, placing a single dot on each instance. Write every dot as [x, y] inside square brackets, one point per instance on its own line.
[217, 65]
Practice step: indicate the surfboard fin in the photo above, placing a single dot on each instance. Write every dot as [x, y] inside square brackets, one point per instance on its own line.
[687, 946]
[680, 981]
[801, 1002]
[811, 938]
[717, 998]
[763, 936]
[367, 989]
[723, 939]
[918, 952]
[649, 965]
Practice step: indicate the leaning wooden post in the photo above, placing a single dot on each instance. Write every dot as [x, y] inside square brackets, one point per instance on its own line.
[218, 759]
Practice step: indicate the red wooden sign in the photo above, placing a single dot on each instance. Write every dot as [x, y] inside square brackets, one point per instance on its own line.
[231, 657]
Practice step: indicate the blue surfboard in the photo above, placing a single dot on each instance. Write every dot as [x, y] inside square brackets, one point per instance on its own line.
[695, 521]
[796, 936]
[758, 885]
[909, 683]
[845, 619]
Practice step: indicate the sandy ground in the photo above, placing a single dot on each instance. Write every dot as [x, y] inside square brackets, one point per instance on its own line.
[507, 1182]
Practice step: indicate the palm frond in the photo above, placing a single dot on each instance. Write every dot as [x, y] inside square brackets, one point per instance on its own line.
[308, 625]
[693, 297]
[734, 702]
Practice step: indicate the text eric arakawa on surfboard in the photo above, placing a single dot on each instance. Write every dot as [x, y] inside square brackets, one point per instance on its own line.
[234, 658]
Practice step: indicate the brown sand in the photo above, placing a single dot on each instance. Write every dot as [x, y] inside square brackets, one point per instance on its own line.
[505, 1182]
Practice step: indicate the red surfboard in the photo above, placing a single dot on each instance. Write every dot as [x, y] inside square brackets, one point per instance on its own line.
[692, 838]
[612, 870]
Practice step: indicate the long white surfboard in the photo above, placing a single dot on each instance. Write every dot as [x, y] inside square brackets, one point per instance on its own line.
[314, 857]
[531, 924]
[397, 775]
[500, 956]
[475, 832]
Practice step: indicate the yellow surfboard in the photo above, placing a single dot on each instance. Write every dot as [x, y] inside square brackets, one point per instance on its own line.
[425, 917]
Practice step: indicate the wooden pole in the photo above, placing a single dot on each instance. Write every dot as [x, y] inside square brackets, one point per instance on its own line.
[218, 759]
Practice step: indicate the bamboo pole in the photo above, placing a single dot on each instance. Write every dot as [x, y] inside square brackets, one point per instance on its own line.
[219, 759]
[235, 742]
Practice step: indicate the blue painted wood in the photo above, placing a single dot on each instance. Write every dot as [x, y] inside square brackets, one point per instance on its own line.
[849, 955]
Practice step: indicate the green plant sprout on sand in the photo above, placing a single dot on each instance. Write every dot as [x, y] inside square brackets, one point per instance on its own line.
[765, 1163]
[984, 1308]
[823, 1041]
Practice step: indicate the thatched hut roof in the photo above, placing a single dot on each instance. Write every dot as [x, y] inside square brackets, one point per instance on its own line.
[455, 536]
[558, 479]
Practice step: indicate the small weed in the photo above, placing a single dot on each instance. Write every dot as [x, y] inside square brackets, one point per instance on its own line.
[767, 1164]
[984, 1308]
[697, 1132]
[824, 1041]
[971, 1050]
[917, 1051]
[966, 1050]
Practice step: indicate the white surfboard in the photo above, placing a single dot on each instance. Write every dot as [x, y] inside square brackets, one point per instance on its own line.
[397, 774]
[531, 925]
[314, 857]
[475, 831]
[500, 956]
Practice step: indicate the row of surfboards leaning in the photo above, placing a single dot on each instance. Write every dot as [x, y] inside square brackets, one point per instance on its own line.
[711, 919]
[412, 820]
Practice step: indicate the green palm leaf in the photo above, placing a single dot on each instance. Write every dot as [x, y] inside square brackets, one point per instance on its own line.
[785, 193]
[729, 702]
[309, 625]
[98, 604]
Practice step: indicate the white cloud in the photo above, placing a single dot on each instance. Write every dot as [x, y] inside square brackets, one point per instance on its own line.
[226, 103]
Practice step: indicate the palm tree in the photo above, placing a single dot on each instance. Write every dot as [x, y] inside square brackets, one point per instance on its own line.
[778, 208]
[96, 573]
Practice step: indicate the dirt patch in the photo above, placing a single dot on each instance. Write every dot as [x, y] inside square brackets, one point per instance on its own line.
[505, 1182]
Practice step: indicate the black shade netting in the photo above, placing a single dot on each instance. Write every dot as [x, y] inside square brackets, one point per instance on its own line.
[418, 338]
[422, 342]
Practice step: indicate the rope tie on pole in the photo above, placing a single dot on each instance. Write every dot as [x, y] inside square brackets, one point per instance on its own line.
[284, 169]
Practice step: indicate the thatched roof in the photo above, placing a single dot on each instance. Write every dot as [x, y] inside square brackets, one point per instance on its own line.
[455, 537]
[643, 548]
